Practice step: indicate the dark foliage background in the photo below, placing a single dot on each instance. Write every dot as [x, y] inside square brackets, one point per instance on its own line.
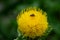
[9, 10]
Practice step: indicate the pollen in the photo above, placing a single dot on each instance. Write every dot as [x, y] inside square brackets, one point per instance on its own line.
[32, 22]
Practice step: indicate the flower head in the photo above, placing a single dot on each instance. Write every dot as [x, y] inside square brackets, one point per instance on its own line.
[32, 22]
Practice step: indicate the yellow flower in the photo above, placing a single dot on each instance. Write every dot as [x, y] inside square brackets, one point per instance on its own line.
[32, 22]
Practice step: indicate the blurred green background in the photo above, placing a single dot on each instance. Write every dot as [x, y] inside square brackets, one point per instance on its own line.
[9, 10]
